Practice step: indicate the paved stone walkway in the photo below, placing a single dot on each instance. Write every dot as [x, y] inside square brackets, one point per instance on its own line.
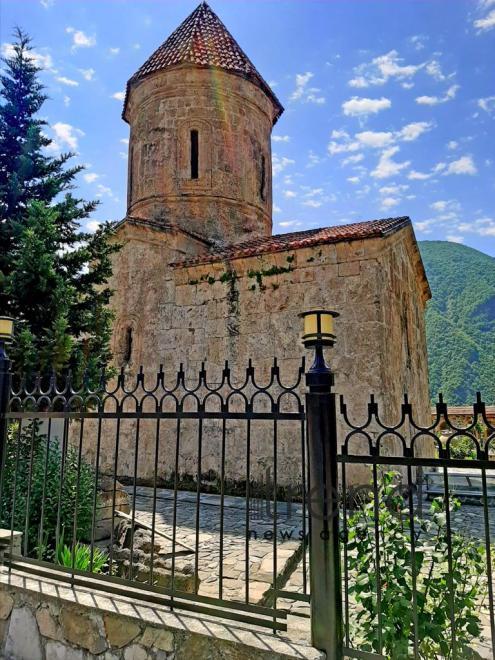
[260, 548]
[289, 567]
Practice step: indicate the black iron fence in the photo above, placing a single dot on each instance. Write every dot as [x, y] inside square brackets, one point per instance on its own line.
[214, 495]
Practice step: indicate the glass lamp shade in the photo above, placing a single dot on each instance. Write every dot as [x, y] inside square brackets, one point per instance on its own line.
[319, 327]
[6, 328]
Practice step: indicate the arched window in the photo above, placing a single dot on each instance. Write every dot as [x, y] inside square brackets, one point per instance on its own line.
[262, 177]
[128, 345]
[194, 154]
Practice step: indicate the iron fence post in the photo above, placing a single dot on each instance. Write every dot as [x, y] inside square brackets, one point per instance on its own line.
[324, 553]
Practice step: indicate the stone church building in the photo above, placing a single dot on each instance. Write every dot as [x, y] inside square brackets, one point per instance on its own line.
[200, 276]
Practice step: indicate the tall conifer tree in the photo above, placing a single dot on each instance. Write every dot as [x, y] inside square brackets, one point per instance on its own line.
[53, 276]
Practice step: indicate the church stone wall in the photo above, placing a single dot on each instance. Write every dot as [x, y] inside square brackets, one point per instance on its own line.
[195, 314]
[231, 200]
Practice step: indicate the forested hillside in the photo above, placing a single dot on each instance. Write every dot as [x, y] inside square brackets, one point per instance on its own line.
[460, 321]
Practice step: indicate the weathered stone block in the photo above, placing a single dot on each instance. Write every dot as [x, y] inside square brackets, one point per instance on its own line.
[6, 605]
[158, 638]
[120, 631]
[81, 629]
[47, 625]
[23, 639]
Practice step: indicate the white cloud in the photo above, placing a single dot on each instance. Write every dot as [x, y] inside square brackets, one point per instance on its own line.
[383, 68]
[418, 176]
[486, 23]
[393, 189]
[90, 177]
[42, 60]
[80, 39]
[46, 4]
[352, 160]
[104, 190]
[463, 165]
[67, 81]
[440, 206]
[304, 93]
[66, 101]
[412, 131]
[280, 138]
[124, 155]
[436, 100]
[354, 179]
[87, 74]
[289, 194]
[119, 96]
[386, 166]
[313, 203]
[418, 41]
[93, 225]
[277, 209]
[434, 70]
[481, 226]
[313, 159]
[114, 51]
[389, 202]
[452, 145]
[124, 140]
[342, 142]
[357, 106]
[455, 238]
[65, 135]
[375, 139]
[280, 163]
[289, 223]
[407, 85]
[487, 104]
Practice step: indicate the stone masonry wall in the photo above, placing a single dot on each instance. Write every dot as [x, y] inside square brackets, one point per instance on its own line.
[199, 314]
[48, 621]
[232, 197]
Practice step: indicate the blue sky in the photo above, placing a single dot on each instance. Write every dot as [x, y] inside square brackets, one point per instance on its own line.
[390, 104]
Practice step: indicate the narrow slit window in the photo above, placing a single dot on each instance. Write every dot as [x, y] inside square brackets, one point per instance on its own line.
[262, 178]
[128, 345]
[194, 154]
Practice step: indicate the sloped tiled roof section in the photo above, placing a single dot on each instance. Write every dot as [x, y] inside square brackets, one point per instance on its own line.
[202, 39]
[300, 239]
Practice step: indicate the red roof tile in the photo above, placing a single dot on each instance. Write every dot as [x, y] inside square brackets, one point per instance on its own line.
[300, 239]
[202, 39]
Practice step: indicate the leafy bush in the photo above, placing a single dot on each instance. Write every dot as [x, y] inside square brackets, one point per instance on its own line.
[463, 448]
[435, 583]
[80, 557]
[37, 477]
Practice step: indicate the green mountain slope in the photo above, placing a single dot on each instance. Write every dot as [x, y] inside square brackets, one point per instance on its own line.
[460, 321]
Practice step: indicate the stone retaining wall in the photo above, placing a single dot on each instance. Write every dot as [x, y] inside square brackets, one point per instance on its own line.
[46, 620]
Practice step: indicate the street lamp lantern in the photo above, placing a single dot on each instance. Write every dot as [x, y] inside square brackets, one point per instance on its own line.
[318, 333]
[6, 329]
[318, 328]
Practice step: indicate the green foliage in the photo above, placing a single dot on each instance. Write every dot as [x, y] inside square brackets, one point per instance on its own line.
[462, 448]
[435, 582]
[81, 557]
[53, 276]
[460, 321]
[37, 477]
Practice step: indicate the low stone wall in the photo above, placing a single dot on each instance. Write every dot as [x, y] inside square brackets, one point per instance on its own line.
[47, 620]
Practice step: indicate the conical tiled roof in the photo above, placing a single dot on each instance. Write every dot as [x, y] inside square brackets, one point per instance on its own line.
[202, 39]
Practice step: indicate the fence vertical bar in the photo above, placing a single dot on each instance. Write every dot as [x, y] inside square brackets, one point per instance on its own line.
[324, 552]
[5, 384]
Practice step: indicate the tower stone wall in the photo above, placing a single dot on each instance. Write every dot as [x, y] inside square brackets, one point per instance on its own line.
[231, 199]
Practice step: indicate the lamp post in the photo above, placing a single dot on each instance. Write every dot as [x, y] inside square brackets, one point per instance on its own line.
[324, 553]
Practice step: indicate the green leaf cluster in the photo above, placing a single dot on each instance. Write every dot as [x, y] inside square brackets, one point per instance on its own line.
[81, 557]
[460, 321]
[44, 488]
[53, 275]
[421, 591]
